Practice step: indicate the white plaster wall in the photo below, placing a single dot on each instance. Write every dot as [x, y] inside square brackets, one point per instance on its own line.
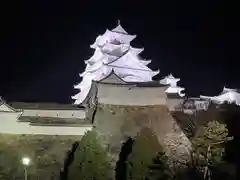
[201, 105]
[131, 95]
[10, 125]
[55, 113]
[172, 103]
[6, 117]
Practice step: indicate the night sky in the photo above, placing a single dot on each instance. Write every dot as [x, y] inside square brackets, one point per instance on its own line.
[44, 44]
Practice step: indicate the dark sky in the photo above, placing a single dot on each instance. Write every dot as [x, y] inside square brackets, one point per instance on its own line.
[44, 43]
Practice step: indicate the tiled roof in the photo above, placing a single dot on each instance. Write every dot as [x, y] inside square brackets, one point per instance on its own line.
[9, 106]
[53, 120]
[174, 96]
[61, 125]
[115, 79]
[54, 106]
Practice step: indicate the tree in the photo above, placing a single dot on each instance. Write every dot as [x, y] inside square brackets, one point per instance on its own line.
[145, 149]
[91, 160]
[210, 141]
[209, 145]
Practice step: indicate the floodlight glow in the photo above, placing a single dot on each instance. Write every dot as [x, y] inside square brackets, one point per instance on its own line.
[25, 161]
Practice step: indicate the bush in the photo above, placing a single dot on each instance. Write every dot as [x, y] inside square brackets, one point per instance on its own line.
[145, 149]
[210, 141]
[91, 160]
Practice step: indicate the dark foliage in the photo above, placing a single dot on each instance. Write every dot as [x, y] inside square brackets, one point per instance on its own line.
[231, 116]
[224, 171]
[121, 165]
[159, 170]
[145, 148]
[189, 173]
[91, 160]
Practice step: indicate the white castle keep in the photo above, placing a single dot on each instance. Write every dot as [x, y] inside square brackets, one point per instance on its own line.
[116, 63]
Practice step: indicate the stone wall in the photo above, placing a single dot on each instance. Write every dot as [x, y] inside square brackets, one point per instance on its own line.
[116, 123]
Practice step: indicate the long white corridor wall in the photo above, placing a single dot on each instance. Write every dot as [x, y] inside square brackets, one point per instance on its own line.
[55, 113]
[10, 125]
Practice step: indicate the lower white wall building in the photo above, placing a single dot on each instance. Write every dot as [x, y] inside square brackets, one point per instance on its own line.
[48, 120]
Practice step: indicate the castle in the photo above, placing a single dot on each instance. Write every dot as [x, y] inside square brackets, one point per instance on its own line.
[115, 75]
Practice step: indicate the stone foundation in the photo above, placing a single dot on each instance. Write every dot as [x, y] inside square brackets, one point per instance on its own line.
[115, 124]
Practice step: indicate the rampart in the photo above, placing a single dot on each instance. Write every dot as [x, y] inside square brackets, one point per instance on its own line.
[115, 123]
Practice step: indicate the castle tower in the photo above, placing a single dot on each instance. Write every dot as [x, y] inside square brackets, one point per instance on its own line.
[175, 97]
[231, 96]
[113, 52]
[121, 97]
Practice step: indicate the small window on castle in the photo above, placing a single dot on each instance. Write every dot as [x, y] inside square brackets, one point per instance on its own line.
[72, 114]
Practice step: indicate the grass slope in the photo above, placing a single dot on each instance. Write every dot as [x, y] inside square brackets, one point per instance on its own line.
[47, 155]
